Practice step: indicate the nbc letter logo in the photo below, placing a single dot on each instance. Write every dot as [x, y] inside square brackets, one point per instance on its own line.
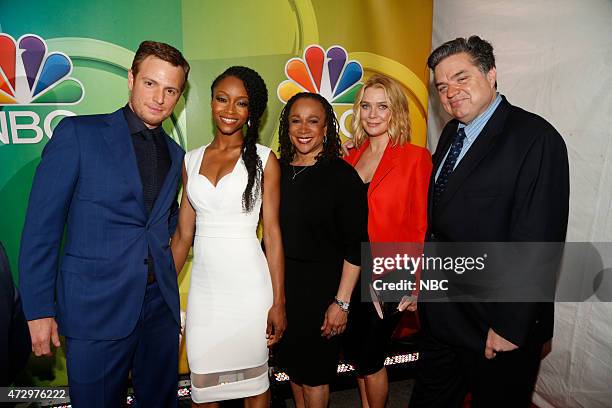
[29, 75]
[326, 73]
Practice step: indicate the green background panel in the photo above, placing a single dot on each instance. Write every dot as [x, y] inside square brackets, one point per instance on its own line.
[101, 37]
[242, 28]
[125, 23]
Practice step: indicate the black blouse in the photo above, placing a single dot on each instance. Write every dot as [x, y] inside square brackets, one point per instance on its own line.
[323, 212]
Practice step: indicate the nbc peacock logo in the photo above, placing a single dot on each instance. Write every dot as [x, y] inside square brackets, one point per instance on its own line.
[30, 75]
[328, 73]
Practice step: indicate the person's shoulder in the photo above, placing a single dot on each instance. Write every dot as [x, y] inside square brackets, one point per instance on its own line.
[80, 120]
[531, 125]
[79, 127]
[194, 152]
[350, 158]
[263, 152]
[408, 155]
[338, 164]
[96, 119]
[409, 149]
[341, 169]
[262, 149]
[523, 116]
[84, 125]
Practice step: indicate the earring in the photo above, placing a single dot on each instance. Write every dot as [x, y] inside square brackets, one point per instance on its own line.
[249, 123]
[324, 139]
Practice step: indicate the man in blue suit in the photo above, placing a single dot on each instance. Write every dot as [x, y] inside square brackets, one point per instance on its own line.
[111, 182]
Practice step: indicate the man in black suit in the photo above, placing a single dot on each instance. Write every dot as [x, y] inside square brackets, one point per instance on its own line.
[14, 335]
[500, 175]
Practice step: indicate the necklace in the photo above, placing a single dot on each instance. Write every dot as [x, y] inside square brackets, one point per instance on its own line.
[295, 174]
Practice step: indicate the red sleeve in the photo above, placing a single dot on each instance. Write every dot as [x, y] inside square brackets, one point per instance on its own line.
[417, 213]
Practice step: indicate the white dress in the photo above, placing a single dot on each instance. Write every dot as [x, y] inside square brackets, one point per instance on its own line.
[231, 290]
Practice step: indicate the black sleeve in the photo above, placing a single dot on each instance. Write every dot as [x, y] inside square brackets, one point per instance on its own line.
[351, 212]
[540, 214]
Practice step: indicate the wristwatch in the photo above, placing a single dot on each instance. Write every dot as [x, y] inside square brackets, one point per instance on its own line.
[344, 306]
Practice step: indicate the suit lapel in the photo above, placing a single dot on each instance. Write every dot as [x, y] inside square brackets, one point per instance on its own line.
[387, 162]
[481, 147]
[168, 189]
[117, 137]
[439, 155]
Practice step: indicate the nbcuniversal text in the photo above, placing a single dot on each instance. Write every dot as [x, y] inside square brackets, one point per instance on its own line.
[487, 271]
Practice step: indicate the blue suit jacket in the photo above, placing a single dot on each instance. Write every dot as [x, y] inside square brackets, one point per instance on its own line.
[89, 183]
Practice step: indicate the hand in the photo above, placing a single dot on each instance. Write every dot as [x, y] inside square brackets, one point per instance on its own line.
[41, 331]
[407, 303]
[346, 146]
[277, 322]
[497, 344]
[334, 322]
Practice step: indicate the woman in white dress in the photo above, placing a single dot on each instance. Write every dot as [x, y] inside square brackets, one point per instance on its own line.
[236, 303]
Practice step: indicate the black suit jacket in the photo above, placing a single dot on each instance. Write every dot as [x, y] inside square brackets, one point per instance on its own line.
[511, 186]
[15, 342]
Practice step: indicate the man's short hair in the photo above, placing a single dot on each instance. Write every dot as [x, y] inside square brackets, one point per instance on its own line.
[162, 51]
[481, 52]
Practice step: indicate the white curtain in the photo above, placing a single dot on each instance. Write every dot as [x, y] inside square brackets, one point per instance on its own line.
[554, 58]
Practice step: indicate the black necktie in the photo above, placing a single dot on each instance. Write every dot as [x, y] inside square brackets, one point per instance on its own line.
[150, 186]
[149, 176]
[449, 164]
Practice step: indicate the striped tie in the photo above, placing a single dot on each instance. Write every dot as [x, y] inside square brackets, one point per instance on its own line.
[449, 165]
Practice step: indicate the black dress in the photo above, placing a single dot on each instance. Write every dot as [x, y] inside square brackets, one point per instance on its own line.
[323, 217]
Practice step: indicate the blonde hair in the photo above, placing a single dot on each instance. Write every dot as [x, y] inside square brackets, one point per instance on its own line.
[399, 123]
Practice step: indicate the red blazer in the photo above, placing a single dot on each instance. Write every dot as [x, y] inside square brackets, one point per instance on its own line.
[397, 196]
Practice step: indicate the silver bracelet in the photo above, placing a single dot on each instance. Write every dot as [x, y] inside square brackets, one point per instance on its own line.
[344, 306]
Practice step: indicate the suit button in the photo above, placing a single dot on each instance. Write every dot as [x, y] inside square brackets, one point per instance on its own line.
[146, 261]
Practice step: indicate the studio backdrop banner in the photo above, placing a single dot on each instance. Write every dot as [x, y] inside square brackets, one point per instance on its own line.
[72, 58]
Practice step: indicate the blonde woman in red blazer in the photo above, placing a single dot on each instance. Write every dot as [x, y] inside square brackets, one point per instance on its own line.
[398, 175]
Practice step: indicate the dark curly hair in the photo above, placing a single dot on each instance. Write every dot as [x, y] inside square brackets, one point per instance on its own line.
[258, 100]
[331, 144]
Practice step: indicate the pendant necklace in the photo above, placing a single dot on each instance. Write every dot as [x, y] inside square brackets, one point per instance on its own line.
[295, 174]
